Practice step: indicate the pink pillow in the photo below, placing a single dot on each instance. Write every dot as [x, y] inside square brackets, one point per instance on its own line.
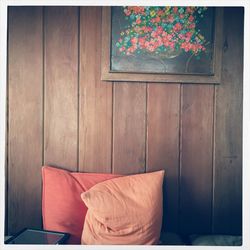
[62, 207]
[125, 210]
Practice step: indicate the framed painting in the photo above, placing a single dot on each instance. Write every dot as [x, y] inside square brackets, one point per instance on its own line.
[162, 44]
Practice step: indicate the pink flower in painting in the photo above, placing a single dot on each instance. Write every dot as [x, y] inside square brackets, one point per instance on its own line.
[131, 49]
[191, 19]
[149, 29]
[146, 29]
[134, 40]
[138, 20]
[156, 19]
[122, 48]
[159, 40]
[189, 10]
[191, 26]
[170, 18]
[151, 48]
[159, 30]
[186, 46]
[169, 36]
[171, 44]
[164, 33]
[181, 36]
[154, 34]
[127, 12]
[141, 42]
[177, 27]
[160, 12]
[188, 36]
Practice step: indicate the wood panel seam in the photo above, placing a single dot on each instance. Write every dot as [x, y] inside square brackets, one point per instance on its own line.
[78, 92]
[112, 129]
[146, 129]
[6, 231]
[43, 93]
[43, 82]
[180, 155]
[213, 160]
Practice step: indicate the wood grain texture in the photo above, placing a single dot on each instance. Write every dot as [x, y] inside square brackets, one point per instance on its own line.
[163, 145]
[227, 207]
[196, 158]
[25, 118]
[95, 122]
[61, 87]
[125, 127]
[129, 126]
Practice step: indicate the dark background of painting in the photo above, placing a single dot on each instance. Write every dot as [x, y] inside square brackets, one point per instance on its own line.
[143, 62]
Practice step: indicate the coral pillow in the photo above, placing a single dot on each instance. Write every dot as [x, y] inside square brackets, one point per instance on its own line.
[125, 210]
[62, 207]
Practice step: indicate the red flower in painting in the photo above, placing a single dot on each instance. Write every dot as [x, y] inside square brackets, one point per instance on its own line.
[177, 27]
[157, 19]
[134, 40]
[170, 18]
[122, 48]
[159, 30]
[186, 46]
[154, 34]
[175, 10]
[188, 36]
[189, 10]
[191, 26]
[160, 12]
[138, 20]
[191, 19]
[141, 41]
[181, 36]
[159, 41]
[127, 12]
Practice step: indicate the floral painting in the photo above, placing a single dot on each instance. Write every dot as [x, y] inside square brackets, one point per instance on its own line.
[162, 39]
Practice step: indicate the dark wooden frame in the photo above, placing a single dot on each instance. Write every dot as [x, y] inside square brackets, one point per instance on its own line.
[109, 75]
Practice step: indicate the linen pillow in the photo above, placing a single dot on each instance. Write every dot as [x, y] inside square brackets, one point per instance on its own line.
[125, 210]
[62, 207]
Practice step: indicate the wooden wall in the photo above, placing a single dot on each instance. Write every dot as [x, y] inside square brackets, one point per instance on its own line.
[61, 113]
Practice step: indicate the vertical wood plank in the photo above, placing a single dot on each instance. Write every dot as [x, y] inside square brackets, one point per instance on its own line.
[129, 126]
[61, 87]
[227, 207]
[25, 117]
[95, 122]
[163, 145]
[196, 159]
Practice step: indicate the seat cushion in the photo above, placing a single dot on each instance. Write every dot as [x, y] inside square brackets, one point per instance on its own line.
[62, 207]
[216, 240]
[125, 210]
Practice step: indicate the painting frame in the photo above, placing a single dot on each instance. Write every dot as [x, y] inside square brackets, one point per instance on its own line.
[118, 76]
